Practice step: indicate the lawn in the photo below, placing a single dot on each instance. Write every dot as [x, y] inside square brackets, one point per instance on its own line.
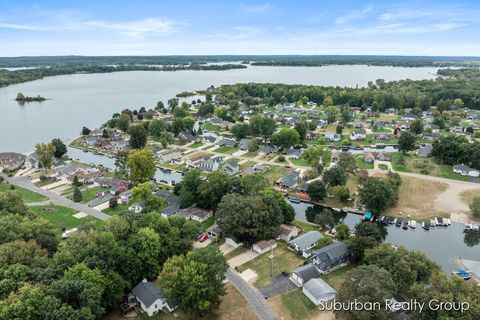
[227, 150]
[27, 195]
[284, 260]
[425, 166]
[469, 195]
[383, 166]
[251, 154]
[300, 162]
[416, 198]
[62, 217]
[362, 164]
[293, 305]
[336, 278]
[274, 173]
[305, 226]
[90, 194]
[196, 145]
[211, 127]
[208, 223]
[117, 210]
[46, 181]
[235, 252]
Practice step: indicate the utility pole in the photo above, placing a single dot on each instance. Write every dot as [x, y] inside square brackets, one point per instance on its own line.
[271, 262]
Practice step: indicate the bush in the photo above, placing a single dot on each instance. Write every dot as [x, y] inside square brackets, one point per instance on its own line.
[475, 207]
[281, 158]
[340, 192]
[12, 187]
[113, 203]
[77, 195]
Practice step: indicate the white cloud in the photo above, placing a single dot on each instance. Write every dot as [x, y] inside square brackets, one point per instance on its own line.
[27, 27]
[353, 15]
[255, 8]
[137, 29]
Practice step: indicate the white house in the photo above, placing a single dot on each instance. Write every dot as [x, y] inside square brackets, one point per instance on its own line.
[465, 170]
[305, 242]
[137, 207]
[358, 134]
[264, 246]
[318, 291]
[150, 298]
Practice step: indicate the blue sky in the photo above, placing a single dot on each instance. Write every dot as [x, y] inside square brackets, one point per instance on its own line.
[143, 27]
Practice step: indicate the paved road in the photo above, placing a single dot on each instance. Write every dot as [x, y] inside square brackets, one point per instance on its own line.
[252, 295]
[24, 182]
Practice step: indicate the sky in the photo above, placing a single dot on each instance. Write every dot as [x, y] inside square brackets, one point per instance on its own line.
[207, 27]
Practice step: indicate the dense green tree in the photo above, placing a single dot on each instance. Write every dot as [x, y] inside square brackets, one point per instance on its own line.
[406, 142]
[341, 193]
[335, 176]
[195, 282]
[262, 126]
[240, 130]
[378, 194]
[189, 188]
[260, 218]
[45, 153]
[252, 184]
[142, 165]
[325, 219]
[77, 195]
[146, 244]
[301, 128]
[138, 136]
[287, 210]
[316, 190]
[366, 284]
[416, 126]
[123, 122]
[451, 149]
[286, 138]
[342, 231]
[60, 148]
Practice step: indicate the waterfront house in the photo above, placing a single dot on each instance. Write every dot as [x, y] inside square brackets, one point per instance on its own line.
[289, 180]
[287, 232]
[330, 257]
[305, 242]
[11, 161]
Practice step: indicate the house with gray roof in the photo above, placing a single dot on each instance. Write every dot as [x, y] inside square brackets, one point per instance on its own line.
[303, 274]
[330, 257]
[318, 291]
[170, 210]
[151, 298]
[333, 137]
[267, 150]
[424, 151]
[294, 153]
[195, 213]
[289, 180]
[231, 167]
[169, 198]
[244, 144]
[305, 242]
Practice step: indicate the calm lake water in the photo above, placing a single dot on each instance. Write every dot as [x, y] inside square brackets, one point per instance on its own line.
[442, 245]
[90, 99]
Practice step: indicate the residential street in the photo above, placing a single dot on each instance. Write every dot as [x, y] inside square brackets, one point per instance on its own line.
[24, 182]
[252, 295]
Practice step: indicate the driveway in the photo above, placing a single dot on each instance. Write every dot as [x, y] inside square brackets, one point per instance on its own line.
[252, 295]
[280, 284]
[242, 258]
[25, 183]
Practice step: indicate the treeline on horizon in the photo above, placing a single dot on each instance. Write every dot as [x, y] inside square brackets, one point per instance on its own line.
[463, 84]
[24, 75]
[277, 60]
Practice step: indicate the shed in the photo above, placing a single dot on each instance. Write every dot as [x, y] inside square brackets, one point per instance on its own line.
[264, 246]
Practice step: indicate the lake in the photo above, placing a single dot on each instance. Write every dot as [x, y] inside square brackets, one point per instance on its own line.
[441, 245]
[90, 99]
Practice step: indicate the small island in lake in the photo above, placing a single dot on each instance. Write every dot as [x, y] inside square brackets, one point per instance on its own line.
[22, 98]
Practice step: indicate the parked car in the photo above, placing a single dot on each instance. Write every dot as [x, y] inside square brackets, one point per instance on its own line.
[203, 237]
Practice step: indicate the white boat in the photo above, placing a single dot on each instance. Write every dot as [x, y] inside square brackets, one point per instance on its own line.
[447, 221]
[412, 224]
[433, 223]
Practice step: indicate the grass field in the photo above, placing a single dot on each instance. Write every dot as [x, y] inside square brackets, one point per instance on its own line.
[469, 195]
[62, 217]
[416, 198]
[284, 260]
[196, 145]
[425, 166]
[383, 166]
[27, 195]
[293, 305]
[300, 162]
[274, 173]
[118, 209]
[362, 164]
[336, 278]
[305, 226]
[226, 150]
[211, 127]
